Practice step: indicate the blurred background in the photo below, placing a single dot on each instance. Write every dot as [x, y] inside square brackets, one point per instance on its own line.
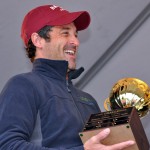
[116, 44]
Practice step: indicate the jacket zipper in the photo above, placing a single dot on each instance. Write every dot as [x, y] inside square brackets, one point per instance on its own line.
[67, 83]
[68, 86]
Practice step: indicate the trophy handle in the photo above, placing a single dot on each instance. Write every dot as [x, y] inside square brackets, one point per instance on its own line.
[107, 104]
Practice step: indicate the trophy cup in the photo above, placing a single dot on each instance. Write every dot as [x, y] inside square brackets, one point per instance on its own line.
[129, 100]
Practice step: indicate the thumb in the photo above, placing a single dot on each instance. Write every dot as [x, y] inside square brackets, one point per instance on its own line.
[100, 136]
[103, 134]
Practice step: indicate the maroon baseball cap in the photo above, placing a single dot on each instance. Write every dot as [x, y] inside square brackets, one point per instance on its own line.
[51, 15]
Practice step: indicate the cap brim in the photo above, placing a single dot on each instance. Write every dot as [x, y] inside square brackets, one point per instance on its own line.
[81, 20]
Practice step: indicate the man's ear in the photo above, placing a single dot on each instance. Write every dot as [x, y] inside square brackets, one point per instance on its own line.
[36, 40]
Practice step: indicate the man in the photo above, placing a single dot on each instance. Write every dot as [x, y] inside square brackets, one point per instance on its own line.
[42, 110]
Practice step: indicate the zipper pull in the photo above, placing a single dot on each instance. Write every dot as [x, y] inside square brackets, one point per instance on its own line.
[67, 83]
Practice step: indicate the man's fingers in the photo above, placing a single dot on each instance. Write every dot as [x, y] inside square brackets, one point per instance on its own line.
[95, 142]
[122, 145]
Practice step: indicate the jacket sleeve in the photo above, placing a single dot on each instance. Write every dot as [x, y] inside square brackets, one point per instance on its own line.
[18, 111]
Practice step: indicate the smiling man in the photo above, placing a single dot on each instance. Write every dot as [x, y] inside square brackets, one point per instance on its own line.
[41, 109]
[63, 44]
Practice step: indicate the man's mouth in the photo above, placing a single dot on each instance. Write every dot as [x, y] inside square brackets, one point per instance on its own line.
[70, 52]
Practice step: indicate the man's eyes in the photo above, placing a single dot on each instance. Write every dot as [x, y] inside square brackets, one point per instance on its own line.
[66, 33]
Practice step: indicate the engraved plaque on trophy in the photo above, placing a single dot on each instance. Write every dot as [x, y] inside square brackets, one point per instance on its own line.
[129, 100]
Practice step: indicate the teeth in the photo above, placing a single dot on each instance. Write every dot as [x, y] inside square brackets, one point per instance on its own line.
[71, 52]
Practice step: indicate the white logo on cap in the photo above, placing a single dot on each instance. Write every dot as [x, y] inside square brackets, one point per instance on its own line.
[53, 7]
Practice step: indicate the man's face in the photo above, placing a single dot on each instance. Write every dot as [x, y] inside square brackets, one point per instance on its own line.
[63, 44]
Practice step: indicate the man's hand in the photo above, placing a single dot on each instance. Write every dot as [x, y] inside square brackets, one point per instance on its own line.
[94, 143]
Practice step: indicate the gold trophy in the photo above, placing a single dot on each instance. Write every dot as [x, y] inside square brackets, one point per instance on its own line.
[128, 101]
[129, 92]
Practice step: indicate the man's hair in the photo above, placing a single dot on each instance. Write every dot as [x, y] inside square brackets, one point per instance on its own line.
[31, 49]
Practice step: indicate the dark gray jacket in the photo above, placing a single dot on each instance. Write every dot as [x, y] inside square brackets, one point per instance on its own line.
[41, 110]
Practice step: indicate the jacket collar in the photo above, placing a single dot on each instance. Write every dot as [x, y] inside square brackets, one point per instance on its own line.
[55, 68]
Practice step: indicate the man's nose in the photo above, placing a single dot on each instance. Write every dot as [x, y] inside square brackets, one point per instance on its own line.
[75, 41]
